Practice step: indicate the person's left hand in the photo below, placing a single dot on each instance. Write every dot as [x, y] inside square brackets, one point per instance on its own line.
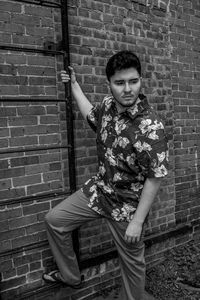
[133, 232]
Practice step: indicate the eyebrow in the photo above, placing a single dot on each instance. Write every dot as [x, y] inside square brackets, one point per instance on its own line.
[119, 80]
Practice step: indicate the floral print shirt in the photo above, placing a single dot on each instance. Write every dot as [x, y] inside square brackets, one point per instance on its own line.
[131, 147]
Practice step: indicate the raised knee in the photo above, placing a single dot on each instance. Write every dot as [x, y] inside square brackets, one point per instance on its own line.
[50, 218]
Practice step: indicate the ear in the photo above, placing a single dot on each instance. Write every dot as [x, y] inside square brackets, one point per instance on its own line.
[108, 83]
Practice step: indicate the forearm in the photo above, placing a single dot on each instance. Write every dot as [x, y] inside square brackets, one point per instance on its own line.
[148, 195]
[82, 101]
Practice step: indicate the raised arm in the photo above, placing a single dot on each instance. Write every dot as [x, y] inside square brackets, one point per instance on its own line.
[82, 101]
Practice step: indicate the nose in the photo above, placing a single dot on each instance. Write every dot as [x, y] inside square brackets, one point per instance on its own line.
[127, 87]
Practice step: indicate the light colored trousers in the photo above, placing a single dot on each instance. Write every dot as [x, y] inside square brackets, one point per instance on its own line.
[72, 213]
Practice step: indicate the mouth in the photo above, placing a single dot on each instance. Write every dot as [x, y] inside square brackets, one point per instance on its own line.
[128, 97]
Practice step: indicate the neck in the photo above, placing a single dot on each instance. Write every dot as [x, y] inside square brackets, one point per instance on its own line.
[121, 109]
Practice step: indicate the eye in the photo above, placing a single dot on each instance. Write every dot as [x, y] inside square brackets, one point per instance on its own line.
[134, 81]
[119, 82]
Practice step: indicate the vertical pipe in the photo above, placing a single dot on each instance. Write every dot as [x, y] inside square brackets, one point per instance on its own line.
[69, 114]
[68, 96]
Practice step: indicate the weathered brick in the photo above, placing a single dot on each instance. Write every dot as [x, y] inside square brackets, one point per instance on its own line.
[23, 221]
[5, 184]
[49, 139]
[23, 241]
[24, 161]
[13, 282]
[22, 121]
[9, 235]
[27, 180]
[35, 208]
[21, 260]
[22, 270]
[9, 173]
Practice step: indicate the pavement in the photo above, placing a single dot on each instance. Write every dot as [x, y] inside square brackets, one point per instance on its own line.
[114, 295]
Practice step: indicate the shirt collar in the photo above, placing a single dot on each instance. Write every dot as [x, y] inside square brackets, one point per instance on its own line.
[140, 105]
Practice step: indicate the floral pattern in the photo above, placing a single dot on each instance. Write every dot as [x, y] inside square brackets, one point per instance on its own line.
[131, 147]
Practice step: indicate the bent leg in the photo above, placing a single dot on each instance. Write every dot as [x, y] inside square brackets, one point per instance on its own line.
[60, 222]
[132, 262]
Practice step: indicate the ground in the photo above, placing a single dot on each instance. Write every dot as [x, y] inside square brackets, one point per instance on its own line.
[114, 295]
[177, 277]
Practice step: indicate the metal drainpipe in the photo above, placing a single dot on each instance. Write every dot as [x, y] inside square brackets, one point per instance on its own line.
[69, 113]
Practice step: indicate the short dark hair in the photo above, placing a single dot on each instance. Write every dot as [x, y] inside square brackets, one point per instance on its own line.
[122, 60]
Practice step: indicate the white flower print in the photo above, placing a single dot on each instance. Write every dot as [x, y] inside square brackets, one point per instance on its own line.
[117, 177]
[167, 155]
[131, 159]
[136, 186]
[104, 135]
[91, 117]
[121, 141]
[93, 188]
[153, 136]
[108, 102]
[140, 177]
[144, 126]
[142, 147]
[102, 170]
[105, 120]
[96, 209]
[156, 125]
[110, 157]
[126, 212]
[116, 214]
[127, 209]
[160, 171]
[107, 189]
[94, 198]
[119, 126]
[134, 110]
[161, 156]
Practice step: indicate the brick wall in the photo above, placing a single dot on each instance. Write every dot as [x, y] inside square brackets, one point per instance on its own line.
[165, 35]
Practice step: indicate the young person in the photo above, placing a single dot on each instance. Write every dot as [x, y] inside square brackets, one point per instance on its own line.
[132, 158]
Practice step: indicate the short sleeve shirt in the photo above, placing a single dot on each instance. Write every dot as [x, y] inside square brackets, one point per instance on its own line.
[131, 147]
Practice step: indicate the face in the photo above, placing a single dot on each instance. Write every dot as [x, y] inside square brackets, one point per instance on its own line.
[125, 86]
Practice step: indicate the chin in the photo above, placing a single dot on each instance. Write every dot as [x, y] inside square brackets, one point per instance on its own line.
[128, 104]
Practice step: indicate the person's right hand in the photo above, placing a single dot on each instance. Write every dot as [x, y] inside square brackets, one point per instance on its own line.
[67, 77]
